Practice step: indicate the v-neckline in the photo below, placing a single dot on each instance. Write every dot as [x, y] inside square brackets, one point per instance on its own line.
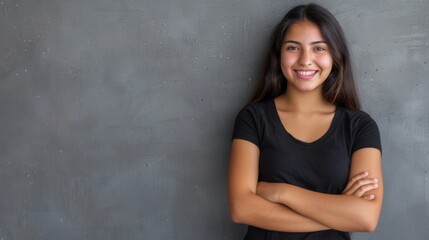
[281, 127]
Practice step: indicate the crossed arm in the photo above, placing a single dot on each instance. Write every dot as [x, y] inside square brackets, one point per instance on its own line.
[284, 207]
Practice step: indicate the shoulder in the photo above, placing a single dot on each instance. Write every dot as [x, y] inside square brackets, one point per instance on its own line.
[251, 121]
[357, 117]
[256, 110]
[362, 129]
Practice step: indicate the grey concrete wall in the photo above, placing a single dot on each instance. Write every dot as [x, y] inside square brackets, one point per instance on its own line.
[116, 116]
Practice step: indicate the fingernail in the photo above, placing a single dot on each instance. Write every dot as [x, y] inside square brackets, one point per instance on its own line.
[375, 180]
[376, 185]
[365, 173]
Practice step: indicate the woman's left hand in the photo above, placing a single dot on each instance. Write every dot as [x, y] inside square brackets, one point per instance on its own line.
[360, 185]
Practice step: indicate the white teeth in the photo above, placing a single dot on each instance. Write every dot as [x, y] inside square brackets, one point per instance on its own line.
[306, 73]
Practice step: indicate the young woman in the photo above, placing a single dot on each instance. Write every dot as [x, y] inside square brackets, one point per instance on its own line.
[305, 160]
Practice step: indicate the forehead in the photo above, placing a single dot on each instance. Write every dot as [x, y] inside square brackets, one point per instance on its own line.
[304, 31]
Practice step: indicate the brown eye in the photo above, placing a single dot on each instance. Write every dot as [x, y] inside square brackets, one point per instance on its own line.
[319, 49]
[291, 48]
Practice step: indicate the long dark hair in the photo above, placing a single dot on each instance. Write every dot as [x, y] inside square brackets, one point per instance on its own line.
[339, 88]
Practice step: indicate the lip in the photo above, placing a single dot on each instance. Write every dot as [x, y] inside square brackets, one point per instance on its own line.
[305, 73]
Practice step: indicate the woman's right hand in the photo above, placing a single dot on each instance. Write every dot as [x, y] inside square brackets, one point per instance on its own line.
[360, 185]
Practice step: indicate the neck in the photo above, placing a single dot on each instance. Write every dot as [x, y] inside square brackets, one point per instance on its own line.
[304, 101]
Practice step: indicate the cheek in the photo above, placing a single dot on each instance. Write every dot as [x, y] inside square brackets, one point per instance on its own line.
[325, 62]
[287, 60]
[286, 66]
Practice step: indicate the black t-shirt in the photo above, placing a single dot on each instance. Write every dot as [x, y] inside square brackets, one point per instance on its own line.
[321, 166]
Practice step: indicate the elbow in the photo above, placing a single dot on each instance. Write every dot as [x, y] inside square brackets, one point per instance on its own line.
[362, 225]
[239, 211]
[235, 217]
[242, 208]
[239, 207]
[367, 218]
[236, 214]
[368, 223]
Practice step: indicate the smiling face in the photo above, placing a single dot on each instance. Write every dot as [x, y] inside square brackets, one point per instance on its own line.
[306, 61]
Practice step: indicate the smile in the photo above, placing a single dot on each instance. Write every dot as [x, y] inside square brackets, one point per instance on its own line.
[305, 74]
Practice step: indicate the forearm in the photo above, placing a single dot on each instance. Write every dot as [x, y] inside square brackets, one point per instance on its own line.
[256, 211]
[340, 212]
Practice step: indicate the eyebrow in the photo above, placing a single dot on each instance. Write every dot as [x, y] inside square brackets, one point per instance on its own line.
[312, 43]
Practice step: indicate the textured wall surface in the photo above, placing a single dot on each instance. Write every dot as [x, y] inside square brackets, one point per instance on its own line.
[116, 116]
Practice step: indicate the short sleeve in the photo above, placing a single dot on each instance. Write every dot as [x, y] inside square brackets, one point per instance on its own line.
[245, 126]
[367, 134]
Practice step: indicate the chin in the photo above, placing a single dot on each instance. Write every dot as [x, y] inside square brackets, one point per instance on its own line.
[306, 88]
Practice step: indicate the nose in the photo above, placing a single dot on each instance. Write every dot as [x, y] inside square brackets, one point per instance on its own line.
[306, 58]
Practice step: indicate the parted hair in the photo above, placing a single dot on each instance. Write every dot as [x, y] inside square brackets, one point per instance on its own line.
[339, 88]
